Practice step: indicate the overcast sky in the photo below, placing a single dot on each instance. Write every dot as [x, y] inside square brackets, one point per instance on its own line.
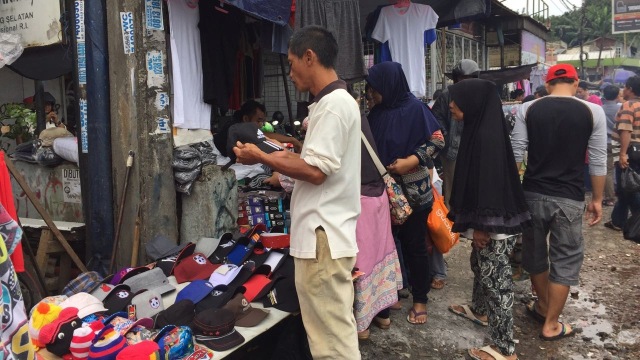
[556, 7]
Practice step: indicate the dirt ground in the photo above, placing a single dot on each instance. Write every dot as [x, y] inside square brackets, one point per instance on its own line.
[606, 306]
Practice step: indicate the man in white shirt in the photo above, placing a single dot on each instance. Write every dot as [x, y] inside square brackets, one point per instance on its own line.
[326, 197]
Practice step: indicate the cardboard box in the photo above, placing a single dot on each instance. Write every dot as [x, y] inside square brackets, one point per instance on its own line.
[254, 210]
[255, 201]
[276, 216]
[256, 219]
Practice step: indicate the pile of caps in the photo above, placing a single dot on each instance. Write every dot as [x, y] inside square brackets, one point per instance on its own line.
[183, 305]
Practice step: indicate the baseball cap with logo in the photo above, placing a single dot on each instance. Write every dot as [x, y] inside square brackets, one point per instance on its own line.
[168, 264]
[181, 313]
[224, 274]
[257, 286]
[562, 71]
[148, 303]
[246, 316]
[194, 267]
[224, 248]
[117, 299]
[208, 245]
[215, 299]
[195, 291]
[248, 132]
[102, 291]
[153, 279]
[126, 273]
[283, 295]
[160, 247]
[85, 303]
[214, 328]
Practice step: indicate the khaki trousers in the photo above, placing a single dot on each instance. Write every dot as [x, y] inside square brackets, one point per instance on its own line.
[325, 291]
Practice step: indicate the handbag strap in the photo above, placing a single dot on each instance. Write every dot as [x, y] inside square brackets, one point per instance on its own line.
[374, 157]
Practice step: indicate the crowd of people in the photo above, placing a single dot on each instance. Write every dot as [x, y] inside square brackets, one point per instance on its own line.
[340, 209]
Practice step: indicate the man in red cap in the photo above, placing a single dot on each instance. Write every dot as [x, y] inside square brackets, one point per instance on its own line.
[558, 130]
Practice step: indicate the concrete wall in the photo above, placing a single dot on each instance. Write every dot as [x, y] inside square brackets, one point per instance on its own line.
[57, 188]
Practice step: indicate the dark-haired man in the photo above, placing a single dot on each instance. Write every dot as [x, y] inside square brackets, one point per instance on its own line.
[558, 124]
[464, 69]
[255, 112]
[541, 91]
[627, 126]
[582, 92]
[610, 106]
[326, 198]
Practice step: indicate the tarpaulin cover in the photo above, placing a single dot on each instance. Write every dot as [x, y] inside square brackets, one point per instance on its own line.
[506, 75]
[276, 11]
[449, 11]
[44, 62]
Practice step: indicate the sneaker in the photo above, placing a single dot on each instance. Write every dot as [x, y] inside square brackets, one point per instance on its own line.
[610, 225]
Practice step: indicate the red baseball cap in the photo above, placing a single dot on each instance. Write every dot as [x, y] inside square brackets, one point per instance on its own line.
[194, 267]
[562, 71]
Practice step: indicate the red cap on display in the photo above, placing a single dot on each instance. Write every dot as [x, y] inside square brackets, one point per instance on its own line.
[194, 267]
[562, 71]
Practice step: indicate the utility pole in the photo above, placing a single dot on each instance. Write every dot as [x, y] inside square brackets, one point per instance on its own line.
[582, 19]
[140, 111]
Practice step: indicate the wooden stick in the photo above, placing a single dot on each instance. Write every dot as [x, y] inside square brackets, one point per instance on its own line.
[45, 215]
[136, 241]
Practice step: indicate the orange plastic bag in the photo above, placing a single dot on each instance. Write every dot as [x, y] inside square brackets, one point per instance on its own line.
[440, 226]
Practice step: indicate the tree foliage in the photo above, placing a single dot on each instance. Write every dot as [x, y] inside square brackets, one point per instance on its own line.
[596, 18]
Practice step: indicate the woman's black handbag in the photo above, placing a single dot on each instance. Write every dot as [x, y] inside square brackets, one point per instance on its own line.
[631, 229]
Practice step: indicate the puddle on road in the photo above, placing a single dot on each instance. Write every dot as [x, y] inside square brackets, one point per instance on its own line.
[590, 321]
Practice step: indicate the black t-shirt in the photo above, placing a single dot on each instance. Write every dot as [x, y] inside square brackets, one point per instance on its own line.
[219, 40]
[558, 129]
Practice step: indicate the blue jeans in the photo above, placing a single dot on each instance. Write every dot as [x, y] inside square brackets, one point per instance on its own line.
[438, 267]
[626, 201]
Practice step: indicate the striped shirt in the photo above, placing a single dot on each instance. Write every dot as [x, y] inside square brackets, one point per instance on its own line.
[628, 119]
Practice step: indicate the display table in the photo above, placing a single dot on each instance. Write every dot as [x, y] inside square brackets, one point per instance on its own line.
[249, 333]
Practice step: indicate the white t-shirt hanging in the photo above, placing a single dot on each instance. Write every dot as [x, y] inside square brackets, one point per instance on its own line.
[404, 30]
[189, 111]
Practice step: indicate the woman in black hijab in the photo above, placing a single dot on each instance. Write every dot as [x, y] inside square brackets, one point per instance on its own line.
[488, 206]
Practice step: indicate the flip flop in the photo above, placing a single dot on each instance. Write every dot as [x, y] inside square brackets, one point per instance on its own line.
[468, 314]
[438, 284]
[382, 323]
[489, 350]
[563, 334]
[533, 313]
[415, 315]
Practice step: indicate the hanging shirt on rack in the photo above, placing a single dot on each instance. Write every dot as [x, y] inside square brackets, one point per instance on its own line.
[405, 34]
[220, 39]
[342, 17]
[189, 110]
